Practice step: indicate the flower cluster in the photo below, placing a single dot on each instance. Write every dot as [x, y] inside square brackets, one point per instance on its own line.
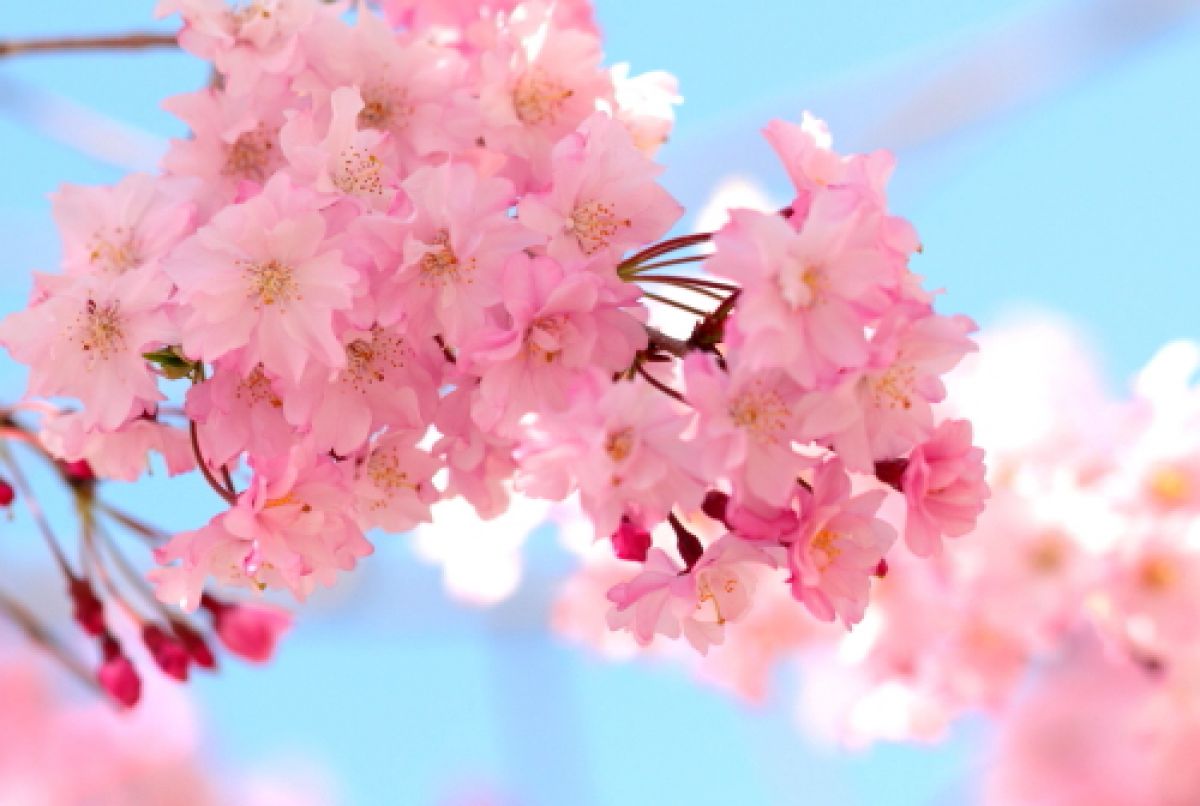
[1072, 615]
[411, 257]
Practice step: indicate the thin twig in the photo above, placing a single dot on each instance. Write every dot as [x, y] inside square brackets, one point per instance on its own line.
[35, 509]
[229, 496]
[662, 264]
[134, 41]
[669, 344]
[659, 385]
[681, 280]
[40, 636]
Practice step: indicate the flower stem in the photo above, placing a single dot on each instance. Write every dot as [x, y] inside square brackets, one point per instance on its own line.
[229, 496]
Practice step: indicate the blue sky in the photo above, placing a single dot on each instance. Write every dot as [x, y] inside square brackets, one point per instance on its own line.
[1078, 196]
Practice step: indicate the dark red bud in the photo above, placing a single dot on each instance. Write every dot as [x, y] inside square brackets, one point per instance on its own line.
[168, 652]
[630, 541]
[78, 471]
[881, 570]
[690, 547]
[197, 648]
[7, 493]
[716, 506]
[88, 610]
[891, 472]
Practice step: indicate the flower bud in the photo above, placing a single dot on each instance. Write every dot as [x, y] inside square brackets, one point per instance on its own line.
[248, 631]
[7, 494]
[88, 610]
[167, 651]
[117, 676]
[630, 541]
[197, 648]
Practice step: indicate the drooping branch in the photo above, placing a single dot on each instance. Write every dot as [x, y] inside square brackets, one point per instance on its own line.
[134, 41]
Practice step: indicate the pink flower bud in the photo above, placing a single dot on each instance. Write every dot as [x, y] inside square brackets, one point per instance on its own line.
[197, 648]
[631, 541]
[7, 494]
[78, 471]
[248, 631]
[117, 676]
[88, 610]
[170, 655]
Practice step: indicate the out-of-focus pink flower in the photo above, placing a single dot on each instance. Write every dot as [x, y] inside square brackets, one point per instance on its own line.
[250, 631]
[944, 486]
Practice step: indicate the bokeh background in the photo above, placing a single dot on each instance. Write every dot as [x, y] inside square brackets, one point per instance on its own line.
[1048, 156]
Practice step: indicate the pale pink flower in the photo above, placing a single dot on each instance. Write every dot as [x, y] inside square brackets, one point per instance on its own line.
[746, 424]
[646, 106]
[557, 325]
[84, 337]
[621, 446]
[246, 42]
[944, 486]
[665, 599]
[262, 277]
[603, 199]
[339, 159]
[890, 404]
[538, 82]
[385, 382]
[411, 89]
[838, 546]
[126, 227]
[456, 247]
[233, 145]
[123, 454]
[808, 295]
[292, 527]
[239, 412]
[480, 463]
[393, 484]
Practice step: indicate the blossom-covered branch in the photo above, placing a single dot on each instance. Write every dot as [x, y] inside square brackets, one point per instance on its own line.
[424, 254]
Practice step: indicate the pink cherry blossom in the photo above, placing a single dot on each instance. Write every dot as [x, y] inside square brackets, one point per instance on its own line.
[456, 248]
[747, 425]
[393, 484]
[603, 200]
[239, 412]
[668, 600]
[84, 337]
[261, 276]
[619, 447]
[385, 382]
[127, 227]
[558, 325]
[838, 546]
[122, 454]
[291, 528]
[807, 295]
[340, 158]
[412, 89]
[944, 487]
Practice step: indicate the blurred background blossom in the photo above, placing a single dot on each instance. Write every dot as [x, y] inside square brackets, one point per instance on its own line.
[1047, 157]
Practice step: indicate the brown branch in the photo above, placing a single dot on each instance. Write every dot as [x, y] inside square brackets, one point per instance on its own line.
[135, 41]
[669, 344]
[230, 496]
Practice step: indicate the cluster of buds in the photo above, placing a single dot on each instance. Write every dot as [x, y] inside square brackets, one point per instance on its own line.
[419, 255]
[111, 602]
